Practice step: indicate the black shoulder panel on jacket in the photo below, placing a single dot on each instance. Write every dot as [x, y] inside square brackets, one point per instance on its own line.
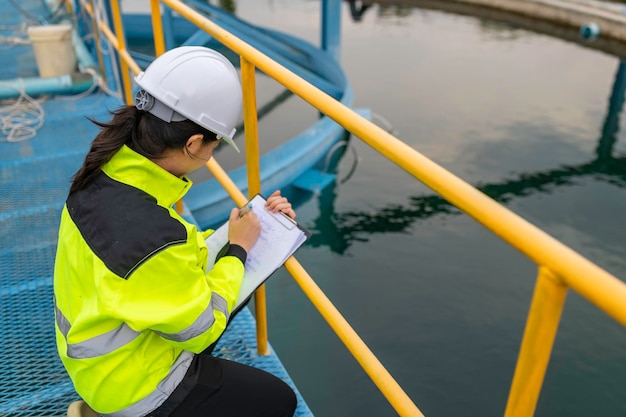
[122, 225]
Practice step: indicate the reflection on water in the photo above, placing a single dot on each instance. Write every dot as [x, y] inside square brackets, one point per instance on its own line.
[338, 231]
[357, 9]
[229, 5]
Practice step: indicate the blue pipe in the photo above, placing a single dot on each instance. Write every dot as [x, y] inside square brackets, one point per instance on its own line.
[64, 84]
[83, 56]
[34, 86]
[168, 28]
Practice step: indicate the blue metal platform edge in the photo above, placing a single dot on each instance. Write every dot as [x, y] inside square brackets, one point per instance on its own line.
[239, 345]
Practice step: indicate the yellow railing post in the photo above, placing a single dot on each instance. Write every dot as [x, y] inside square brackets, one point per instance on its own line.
[121, 43]
[157, 27]
[159, 49]
[541, 327]
[253, 165]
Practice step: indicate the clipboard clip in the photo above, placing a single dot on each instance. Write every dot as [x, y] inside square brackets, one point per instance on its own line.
[285, 220]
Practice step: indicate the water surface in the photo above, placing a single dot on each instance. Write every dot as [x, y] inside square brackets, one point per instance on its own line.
[442, 302]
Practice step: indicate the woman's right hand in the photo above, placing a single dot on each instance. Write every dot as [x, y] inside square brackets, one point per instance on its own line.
[243, 231]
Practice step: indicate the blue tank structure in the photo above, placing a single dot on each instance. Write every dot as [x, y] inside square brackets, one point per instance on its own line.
[50, 136]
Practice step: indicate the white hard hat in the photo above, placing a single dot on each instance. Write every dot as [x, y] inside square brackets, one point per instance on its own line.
[195, 83]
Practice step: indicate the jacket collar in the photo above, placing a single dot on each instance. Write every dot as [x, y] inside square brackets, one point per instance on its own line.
[131, 168]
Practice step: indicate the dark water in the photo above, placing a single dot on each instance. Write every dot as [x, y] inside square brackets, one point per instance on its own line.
[532, 120]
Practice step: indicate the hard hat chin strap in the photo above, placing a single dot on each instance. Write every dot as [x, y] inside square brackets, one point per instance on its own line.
[146, 102]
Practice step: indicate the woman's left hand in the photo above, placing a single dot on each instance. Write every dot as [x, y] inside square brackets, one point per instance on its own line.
[276, 203]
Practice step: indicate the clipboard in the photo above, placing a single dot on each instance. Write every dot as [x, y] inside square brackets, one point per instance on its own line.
[280, 237]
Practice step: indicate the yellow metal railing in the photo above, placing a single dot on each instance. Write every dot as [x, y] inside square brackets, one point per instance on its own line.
[559, 267]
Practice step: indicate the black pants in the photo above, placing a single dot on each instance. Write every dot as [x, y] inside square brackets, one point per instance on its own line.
[222, 388]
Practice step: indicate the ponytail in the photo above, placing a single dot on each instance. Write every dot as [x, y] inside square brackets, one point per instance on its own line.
[142, 132]
[112, 137]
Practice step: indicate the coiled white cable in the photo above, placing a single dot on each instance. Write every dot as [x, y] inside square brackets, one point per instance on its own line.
[18, 37]
[20, 118]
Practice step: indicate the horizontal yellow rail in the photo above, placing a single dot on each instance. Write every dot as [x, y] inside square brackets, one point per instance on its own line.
[601, 288]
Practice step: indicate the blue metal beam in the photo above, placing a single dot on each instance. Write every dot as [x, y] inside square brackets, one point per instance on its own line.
[331, 28]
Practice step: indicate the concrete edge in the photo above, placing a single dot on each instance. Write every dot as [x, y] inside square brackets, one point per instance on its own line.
[611, 21]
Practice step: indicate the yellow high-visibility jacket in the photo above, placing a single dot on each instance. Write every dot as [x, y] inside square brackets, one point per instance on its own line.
[133, 299]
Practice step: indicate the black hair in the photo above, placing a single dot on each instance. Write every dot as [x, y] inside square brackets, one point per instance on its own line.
[141, 131]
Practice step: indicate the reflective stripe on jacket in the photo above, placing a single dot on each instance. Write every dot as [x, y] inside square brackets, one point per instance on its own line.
[133, 299]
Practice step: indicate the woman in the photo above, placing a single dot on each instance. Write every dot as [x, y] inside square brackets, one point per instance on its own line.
[136, 310]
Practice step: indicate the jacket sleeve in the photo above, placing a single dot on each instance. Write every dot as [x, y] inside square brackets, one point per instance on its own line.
[173, 295]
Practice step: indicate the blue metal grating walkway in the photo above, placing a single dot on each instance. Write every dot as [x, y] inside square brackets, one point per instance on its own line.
[34, 178]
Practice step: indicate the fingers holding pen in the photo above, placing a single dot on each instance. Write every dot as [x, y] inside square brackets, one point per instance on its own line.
[276, 202]
[244, 227]
[243, 230]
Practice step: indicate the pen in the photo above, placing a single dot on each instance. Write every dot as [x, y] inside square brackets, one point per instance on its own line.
[245, 210]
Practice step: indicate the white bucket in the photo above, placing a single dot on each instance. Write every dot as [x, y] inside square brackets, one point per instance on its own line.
[53, 47]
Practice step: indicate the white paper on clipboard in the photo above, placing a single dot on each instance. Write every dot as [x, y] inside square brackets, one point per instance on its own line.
[280, 237]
